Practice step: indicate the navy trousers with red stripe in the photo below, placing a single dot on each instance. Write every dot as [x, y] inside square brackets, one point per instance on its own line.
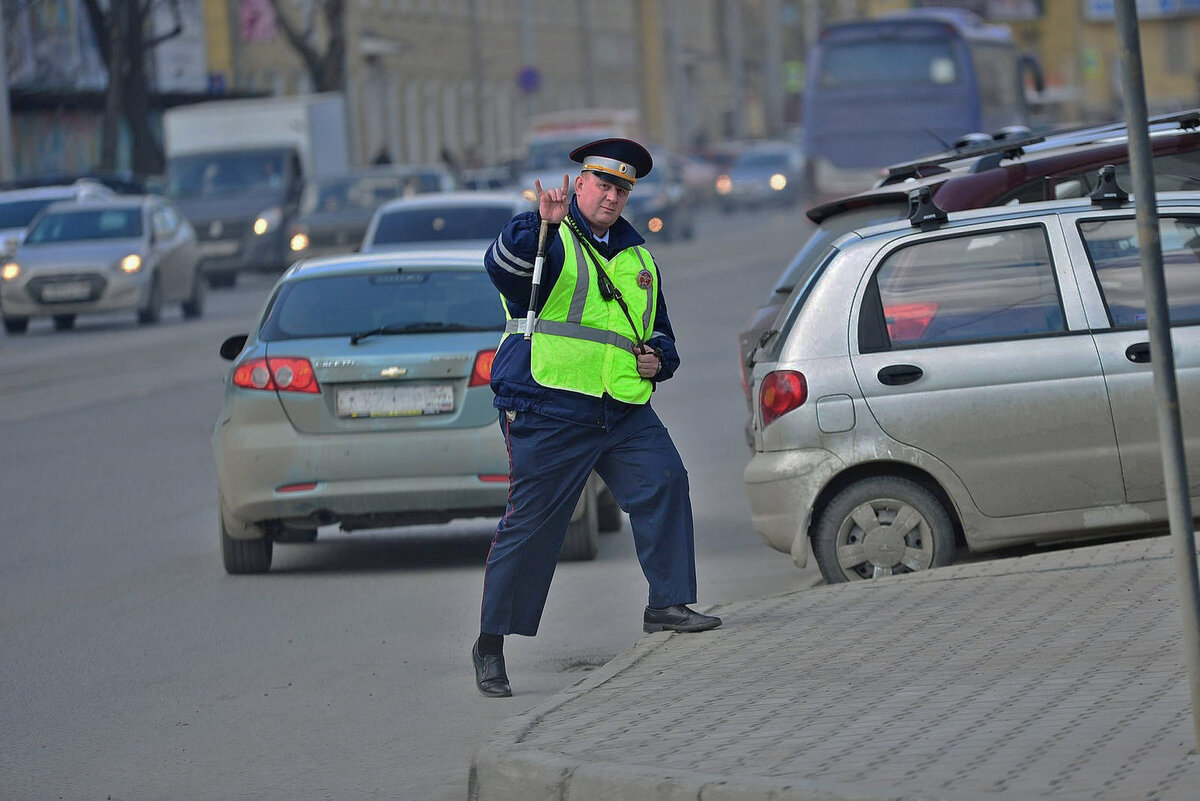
[549, 463]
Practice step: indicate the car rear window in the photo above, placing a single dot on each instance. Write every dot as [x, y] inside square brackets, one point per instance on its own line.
[78, 226]
[440, 225]
[421, 301]
[1113, 249]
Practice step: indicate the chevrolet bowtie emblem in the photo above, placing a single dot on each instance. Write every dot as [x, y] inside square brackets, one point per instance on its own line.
[393, 372]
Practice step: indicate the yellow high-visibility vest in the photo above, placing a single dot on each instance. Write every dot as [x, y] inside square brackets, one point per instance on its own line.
[584, 343]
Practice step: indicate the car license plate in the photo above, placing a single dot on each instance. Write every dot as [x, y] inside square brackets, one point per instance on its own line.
[405, 401]
[224, 247]
[66, 290]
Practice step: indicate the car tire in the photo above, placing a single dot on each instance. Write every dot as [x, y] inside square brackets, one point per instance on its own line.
[845, 551]
[152, 312]
[608, 512]
[16, 325]
[64, 322]
[582, 542]
[242, 557]
[193, 307]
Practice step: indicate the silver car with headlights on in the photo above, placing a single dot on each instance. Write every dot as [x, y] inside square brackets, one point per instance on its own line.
[980, 379]
[116, 254]
[362, 399]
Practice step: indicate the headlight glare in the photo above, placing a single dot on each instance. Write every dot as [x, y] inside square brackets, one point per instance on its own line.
[10, 271]
[268, 219]
[131, 263]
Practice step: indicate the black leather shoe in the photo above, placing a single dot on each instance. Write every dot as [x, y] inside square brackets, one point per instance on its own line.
[677, 618]
[490, 677]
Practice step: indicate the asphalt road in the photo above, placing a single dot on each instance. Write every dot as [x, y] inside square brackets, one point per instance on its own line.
[135, 668]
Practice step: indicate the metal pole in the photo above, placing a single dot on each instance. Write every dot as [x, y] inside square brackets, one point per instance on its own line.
[6, 148]
[1166, 392]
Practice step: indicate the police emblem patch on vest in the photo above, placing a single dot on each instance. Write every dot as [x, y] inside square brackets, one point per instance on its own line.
[645, 279]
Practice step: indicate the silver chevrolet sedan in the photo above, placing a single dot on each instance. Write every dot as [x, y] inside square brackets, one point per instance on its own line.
[980, 379]
[112, 254]
[362, 399]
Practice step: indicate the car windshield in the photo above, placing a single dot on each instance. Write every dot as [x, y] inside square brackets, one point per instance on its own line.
[350, 193]
[227, 173]
[414, 301]
[86, 224]
[761, 159]
[405, 226]
[19, 213]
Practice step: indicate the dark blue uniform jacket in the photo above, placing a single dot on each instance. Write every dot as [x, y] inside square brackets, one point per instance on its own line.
[509, 262]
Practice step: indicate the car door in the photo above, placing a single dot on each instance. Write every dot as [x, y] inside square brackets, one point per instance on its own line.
[972, 346]
[164, 251]
[1108, 263]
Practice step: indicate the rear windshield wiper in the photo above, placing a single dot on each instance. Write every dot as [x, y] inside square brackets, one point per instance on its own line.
[428, 327]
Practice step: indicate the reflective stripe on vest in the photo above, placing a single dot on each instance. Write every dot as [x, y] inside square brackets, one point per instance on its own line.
[583, 343]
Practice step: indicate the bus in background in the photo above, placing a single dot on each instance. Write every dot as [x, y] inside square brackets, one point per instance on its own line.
[898, 87]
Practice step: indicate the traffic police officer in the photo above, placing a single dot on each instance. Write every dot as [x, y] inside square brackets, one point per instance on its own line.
[574, 397]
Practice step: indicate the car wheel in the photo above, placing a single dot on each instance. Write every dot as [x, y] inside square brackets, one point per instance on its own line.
[152, 311]
[583, 535]
[244, 556]
[15, 325]
[193, 307]
[64, 322]
[608, 511]
[879, 527]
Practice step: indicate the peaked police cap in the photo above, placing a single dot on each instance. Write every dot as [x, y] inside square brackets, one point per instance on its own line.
[619, 161]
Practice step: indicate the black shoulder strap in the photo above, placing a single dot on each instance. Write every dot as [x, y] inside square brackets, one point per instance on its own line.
[608, 290]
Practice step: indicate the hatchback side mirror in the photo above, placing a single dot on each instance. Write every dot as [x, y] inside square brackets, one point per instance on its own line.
[231, 347]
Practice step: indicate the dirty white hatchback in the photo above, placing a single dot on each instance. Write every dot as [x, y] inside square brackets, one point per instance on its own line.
[981, 380]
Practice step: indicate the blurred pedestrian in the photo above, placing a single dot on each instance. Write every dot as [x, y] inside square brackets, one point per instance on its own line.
[575, 397]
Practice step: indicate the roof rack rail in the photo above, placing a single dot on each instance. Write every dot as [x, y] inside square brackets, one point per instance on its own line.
[923, 213]
[1108, 194]
[928, 166]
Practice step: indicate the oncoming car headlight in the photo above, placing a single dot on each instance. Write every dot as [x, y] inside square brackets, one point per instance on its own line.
[724, 184]
[267, 220]
[778, 182]
[299, 241]
[10, 271]
[131, 263]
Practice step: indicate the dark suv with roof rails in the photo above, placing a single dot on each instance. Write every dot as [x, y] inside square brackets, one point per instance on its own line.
[1008, 171]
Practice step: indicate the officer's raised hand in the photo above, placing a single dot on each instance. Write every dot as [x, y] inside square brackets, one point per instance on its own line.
[553, 203]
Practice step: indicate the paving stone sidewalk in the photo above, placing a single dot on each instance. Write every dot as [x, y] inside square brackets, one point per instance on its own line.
[1058, 675]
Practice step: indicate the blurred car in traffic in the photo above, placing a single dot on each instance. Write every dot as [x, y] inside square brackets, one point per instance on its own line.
[760, 174]
[660, 207]
[362, 398]
[1007, 171]
[467, 216]
[335, 210]
[116, 254]
[18, 207]
[974, 379]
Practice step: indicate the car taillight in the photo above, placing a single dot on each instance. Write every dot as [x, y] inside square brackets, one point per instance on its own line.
[481, 373]
[282, 373]
[906, 322]
[781, 391]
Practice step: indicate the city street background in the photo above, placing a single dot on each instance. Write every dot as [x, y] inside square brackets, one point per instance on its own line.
[135, 668]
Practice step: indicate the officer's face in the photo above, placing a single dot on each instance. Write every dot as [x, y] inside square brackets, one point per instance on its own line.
[600, 201]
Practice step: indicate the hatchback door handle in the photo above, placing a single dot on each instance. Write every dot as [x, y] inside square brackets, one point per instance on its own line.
[1138, 352]
[896, 374]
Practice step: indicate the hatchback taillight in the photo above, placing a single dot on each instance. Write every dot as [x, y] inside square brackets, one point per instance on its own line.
[282, 373]
[781, 391]
[481, 373]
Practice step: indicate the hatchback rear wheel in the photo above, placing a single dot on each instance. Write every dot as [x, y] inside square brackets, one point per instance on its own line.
[880, 527]
[244, 556]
